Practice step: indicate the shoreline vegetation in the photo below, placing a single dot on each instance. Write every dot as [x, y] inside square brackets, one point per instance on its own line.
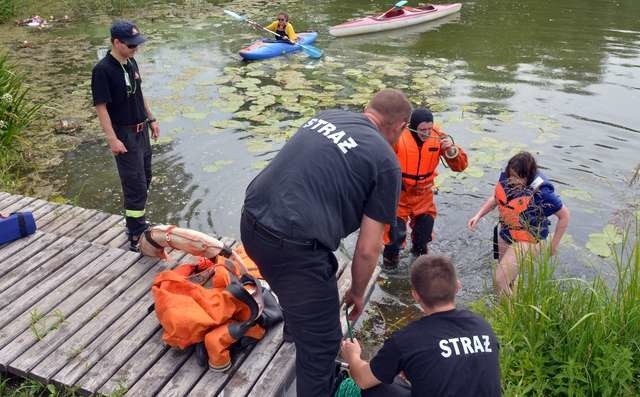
[569, 336]
[17, 112]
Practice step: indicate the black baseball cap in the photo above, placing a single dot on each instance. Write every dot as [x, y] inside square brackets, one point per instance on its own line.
[127, 32]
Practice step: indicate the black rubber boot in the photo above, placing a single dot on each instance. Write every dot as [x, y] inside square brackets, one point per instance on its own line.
[417, 251]
[390, 263]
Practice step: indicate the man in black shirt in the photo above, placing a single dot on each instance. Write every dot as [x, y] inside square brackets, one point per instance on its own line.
[338, 173]
[125, 117]
[448, 352]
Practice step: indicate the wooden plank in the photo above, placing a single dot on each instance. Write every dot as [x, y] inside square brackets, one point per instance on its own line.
[82, 220]
[120, 241]
[33, 206]
[136, 318]
[54, 213]
[118, 356]
[110, 234]
[97, 231]
[28, 277]
[279, 373]
[8, 249]
[74, 315]
[81, 355]
[18, 205]
[62, 278]
[3, 195]
[73, 353]
[72, 294]
[25, 253]
[100, 311]
[159, 374]
[63, 226]
[90, 223]
[24, 268]
[213, 383]
[7, 201]
[246, 376]
[135, 367]
[184, 379]
[43, 208]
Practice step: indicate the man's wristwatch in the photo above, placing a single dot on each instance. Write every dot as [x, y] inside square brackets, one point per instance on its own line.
[149, 121]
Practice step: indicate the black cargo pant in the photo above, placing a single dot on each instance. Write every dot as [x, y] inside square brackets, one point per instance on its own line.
[134, 168]
[303, 278]
[421, 229]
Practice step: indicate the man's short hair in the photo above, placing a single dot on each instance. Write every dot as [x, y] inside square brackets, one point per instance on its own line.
[433, 277]
[392, 105]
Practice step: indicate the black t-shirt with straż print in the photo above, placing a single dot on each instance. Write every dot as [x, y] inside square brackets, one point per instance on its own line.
[452, 353]
[335, 169]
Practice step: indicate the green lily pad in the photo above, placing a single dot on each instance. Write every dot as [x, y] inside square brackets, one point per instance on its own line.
[600, 243]
[231, 123]
[577, 194]
[216, 166]
[162, 140]
[225, 89]
[195, 115]
[474, 171]
[258, 165]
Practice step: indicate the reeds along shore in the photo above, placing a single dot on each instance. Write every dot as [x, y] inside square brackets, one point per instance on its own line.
[570, 336]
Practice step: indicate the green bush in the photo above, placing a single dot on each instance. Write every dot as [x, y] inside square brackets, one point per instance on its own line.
[16, 112]
[7, 10]
[571, 337]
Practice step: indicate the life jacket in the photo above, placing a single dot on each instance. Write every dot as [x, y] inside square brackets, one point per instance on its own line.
[512, 211]
[418, 163]
[281, 35]
[219, 302]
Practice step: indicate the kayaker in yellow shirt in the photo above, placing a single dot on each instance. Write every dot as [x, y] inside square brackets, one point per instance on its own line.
[283, 28]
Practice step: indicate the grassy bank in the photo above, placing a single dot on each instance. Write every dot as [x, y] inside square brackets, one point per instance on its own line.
[16, 113]
[568, 336]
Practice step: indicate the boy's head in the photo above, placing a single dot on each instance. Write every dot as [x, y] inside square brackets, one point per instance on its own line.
[433, 278]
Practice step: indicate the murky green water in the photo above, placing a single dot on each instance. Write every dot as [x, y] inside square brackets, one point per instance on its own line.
[561, 79]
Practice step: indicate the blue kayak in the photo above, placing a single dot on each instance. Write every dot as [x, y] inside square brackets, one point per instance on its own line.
[269, 48]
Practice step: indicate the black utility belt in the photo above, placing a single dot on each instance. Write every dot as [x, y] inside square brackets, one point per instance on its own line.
[275, 237]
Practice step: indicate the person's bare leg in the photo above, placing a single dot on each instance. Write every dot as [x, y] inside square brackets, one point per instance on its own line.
[507, 268]
[502, 247]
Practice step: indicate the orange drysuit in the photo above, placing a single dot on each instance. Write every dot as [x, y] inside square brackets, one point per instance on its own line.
[210, 302]
[418, 162]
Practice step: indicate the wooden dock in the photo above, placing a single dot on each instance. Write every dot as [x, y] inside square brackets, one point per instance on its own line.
[74, 312]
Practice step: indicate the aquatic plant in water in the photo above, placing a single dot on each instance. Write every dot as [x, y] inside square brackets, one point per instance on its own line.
[570, 336]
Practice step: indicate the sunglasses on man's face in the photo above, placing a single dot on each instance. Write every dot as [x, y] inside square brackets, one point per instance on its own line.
[132, 46]
[281, 19]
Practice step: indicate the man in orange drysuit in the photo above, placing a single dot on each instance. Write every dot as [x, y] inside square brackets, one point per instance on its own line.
[419, 150]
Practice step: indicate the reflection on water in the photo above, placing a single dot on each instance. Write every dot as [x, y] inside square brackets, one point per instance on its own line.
[502, 76]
